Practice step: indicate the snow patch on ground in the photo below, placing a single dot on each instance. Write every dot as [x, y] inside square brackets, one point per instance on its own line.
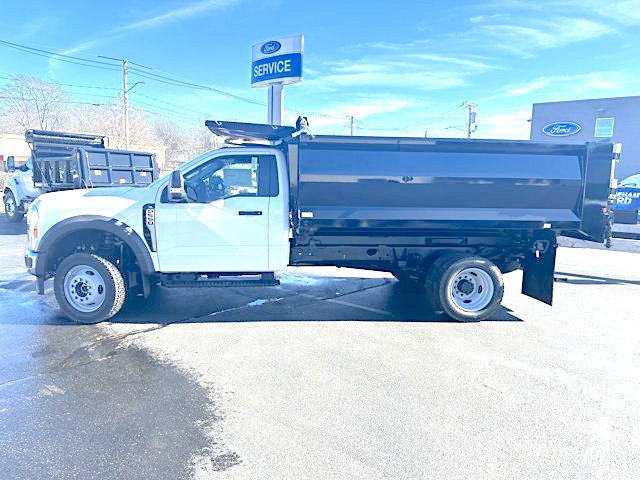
[262, 301]
[288, 278]
[19, 307]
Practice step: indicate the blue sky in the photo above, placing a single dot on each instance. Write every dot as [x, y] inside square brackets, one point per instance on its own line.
[399, 67]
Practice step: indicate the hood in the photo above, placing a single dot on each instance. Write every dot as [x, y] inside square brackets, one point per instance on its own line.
[120, 203]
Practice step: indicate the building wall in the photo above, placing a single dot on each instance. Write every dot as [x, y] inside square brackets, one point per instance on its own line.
[626, 127]
[12, 144]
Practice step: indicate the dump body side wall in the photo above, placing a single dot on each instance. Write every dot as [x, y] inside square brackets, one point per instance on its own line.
[390, 185]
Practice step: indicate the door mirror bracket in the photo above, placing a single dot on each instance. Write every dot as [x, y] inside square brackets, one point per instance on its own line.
[177, 192]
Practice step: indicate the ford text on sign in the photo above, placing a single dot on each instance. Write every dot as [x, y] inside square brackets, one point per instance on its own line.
[561, 129]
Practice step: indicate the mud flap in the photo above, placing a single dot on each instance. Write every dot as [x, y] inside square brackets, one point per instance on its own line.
[539, 268]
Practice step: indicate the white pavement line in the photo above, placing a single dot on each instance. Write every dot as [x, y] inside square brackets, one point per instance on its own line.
[347, 304]
[361, 307]
[255, 303]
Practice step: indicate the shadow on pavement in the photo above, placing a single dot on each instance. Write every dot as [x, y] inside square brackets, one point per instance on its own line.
[10, 228]
[395, 304]
[355, 300]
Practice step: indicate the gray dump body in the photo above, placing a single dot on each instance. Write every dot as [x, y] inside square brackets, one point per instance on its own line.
[377, 185]
[63, 161]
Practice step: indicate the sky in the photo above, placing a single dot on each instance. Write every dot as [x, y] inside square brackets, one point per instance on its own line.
[399, 68]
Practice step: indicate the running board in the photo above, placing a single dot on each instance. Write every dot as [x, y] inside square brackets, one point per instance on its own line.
[264, 280]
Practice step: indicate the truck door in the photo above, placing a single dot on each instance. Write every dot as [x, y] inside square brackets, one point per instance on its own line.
[24, 181]
[223, 225]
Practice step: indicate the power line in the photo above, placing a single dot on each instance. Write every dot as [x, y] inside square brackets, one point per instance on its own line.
[72, 85]
[168, 103]
[180, 83]
[440, 116]
[57, 56]
[170, 117]
[25, 47]
[59, 101]
[164, 109]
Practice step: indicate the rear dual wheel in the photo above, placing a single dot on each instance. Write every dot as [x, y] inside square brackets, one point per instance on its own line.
[466, 288]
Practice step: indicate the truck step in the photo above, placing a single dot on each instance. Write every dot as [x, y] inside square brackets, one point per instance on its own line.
[266, 280]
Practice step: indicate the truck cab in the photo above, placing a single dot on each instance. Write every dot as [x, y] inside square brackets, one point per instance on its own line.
[19, 189]
[220, 219]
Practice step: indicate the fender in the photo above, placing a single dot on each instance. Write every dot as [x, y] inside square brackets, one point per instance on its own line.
[10, 185]
[100, 223]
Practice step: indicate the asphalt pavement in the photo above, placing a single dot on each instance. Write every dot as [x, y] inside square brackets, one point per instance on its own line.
[336, 373]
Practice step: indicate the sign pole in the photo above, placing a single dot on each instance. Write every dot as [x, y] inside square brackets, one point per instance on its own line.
[275, 104]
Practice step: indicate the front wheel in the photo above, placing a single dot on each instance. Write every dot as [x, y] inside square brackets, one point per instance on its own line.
[89, 288]
[467, 288]
[11, 208]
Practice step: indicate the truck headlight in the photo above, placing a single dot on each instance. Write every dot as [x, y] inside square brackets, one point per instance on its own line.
[32, 221]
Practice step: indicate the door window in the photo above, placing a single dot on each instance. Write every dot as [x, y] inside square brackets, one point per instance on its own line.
[226, 177]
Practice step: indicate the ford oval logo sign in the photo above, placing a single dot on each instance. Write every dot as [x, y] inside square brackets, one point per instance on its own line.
[561, 129]
[270, 47]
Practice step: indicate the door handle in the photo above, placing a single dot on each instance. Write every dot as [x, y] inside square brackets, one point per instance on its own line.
[250, 212]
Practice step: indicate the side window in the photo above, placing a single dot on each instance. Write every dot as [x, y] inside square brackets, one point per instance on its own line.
[227, 177]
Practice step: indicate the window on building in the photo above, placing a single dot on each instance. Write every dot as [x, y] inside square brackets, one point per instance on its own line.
[604, 128]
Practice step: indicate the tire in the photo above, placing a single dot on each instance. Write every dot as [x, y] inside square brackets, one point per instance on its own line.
[89, 288]
[467, 289]
[11, 208]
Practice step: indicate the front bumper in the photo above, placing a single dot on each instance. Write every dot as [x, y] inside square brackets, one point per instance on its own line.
[30, 260]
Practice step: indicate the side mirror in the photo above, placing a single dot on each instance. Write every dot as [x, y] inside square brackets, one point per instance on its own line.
[176, 187]
[11, 164]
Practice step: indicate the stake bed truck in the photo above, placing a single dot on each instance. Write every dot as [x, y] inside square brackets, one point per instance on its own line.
[449, 215]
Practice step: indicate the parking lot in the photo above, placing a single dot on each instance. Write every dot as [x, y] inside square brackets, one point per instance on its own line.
[336, 373]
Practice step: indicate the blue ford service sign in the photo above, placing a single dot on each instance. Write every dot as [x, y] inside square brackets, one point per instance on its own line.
[561, 129]
[627, 198]
[277, 61]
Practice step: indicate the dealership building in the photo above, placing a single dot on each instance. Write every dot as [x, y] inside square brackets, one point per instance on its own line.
[595, 120]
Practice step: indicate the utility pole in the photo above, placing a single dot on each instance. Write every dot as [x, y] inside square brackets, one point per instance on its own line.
[125, 92]
[351, 124]
[472, 117]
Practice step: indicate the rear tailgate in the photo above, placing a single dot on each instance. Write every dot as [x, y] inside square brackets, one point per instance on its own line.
[104, 168]
[593, 207]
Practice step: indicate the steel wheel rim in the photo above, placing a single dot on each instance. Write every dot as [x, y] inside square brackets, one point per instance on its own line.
[10, 206]
[84, 288]
[471, 289]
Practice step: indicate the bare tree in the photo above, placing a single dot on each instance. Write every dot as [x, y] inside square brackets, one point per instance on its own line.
[172, 137]
[198, 140]
[31, 102]
[107, 119]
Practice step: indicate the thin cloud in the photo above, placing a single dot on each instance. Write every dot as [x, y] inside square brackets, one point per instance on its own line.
[524, 40]
[564, 86]
[463, 62]
[176, 15]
